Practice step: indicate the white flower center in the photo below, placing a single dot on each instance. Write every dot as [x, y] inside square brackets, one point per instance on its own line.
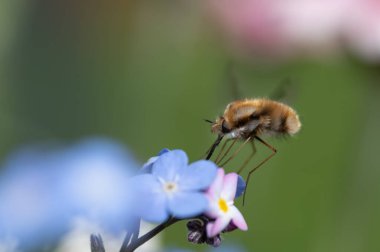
[170, 187]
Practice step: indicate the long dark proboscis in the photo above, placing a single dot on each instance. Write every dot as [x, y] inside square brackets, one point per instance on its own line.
[213, 147]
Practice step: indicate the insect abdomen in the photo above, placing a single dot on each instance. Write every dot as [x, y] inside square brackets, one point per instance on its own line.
[285, 123]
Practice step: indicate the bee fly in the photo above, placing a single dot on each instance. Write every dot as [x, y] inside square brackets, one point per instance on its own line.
[249, 120]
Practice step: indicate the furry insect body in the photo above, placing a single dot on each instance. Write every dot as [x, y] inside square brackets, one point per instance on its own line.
[256, 117]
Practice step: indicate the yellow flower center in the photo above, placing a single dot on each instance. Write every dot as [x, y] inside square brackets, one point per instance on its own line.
[223, 205]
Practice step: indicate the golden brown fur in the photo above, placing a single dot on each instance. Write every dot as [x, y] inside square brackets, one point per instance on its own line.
[255, 117]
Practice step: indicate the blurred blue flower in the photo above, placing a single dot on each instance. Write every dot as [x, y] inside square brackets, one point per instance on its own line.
[227, 248]
[96, 183]
[173, 187]
[30, 209]
[43, 188]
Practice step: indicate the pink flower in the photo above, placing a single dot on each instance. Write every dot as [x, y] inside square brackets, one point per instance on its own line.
[283, 29]
[279, 28]
[362, 29]
[221, 195]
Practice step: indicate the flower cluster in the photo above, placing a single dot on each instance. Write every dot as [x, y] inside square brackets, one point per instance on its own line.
[44, 190]
[172, 188]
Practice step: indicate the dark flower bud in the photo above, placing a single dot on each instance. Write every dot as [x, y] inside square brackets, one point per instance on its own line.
[194, 225]
[231, 227]
[197, 233]
[214, 241]
[196, 237]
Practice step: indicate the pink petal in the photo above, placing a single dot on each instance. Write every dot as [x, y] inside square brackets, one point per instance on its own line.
[216, 187]
[209, 228]
[213, 210]
[212, 214]
[229, 186]
[238, 219]
[214, 228]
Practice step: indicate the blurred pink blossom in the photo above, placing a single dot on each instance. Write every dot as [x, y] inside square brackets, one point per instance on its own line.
[288, 28]
[362, 29]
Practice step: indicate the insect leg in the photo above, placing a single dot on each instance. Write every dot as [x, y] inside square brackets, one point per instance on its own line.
[236, 151]
[274, 151]
[227, 151]
[249, 157]
[221, 150]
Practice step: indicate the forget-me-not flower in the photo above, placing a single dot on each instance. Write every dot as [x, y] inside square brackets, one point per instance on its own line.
[221, 195]
[173, 188]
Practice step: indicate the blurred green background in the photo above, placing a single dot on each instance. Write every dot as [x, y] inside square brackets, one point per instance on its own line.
[148, 72]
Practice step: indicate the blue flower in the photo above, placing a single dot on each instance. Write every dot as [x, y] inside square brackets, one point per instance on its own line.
[173, 188]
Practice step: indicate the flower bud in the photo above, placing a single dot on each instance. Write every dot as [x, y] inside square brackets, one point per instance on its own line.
[214, 241]
[194, 225]
[196, 237]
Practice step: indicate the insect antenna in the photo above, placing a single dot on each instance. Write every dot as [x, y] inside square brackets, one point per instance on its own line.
[274, 151]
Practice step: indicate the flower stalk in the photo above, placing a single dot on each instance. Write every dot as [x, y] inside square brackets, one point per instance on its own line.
[140, 241]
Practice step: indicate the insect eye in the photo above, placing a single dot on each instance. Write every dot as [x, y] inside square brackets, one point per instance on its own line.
[254, 117]
[224, 127]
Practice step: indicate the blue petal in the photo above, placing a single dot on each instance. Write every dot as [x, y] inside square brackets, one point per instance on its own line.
[163, 151]
[150, 201]
[184, 205]
[147, 167]
[240, 187]
[154, 208]
[198, 175]
[170, 164]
